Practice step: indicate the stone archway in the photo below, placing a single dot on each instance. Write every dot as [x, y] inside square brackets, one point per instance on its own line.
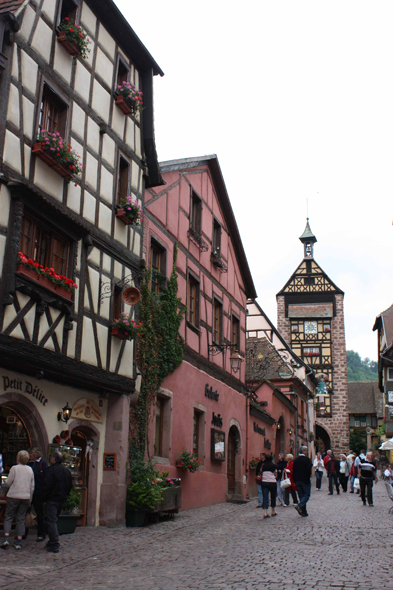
[234, 460]
[31, 419]
[323, 438]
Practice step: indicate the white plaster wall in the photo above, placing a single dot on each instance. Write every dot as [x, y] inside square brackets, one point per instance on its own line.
[5, 201]
[121, 232]
[95, 285]
[63, 62]
[106, 188]
[102, 333]
[11, 154]
[2, 251]
[108, 150]
[82, 81]
[118, 122]
[27, 22]
[126, 365]
[27, 152]
[42, 39]
[49, 9]
[94, 256]
[48, 180]
[89, 207]
[78, 120]
[13, 106]
[29, 73]
[101, 101]
[104, 67]
[135, 171]
[15, 66]
[130, 134]
[88, 353]
[74, 197]
[91, 171]
[138, 147]
[105, 219]
[28, 117]
[106, 41]
[93, 135]
[137, 244]
[88, 20]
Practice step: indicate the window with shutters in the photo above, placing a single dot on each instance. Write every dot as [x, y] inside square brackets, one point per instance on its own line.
[217, 321]
[68, 9]
[123, 179]
[157, 267]
[235, 336]
[53, 112]
[40, 243]
[193, 301]
[196, 214]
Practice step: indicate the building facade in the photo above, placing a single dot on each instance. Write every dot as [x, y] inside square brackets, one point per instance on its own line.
[201, 406]
[384, 327]
[310, 317]
[58, 357]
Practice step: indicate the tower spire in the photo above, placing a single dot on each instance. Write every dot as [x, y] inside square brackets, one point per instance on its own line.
[308, 240]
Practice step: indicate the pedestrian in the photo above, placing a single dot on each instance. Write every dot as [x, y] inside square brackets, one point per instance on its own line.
[388, 473]
[333, 470]
[319, 468]
[327, 457]
[281, 464]
[258, 478]
[57, 486]
[367, 476]
[39, 467]
[269, 485]
[302, 468]
[1, 464]
[292, 489]
[20, 482]
[344, 472]
[361, 457]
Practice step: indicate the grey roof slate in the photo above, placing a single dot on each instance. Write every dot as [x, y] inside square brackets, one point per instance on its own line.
[364, 397]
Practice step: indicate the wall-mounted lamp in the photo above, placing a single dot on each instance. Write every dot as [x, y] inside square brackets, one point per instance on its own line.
[290, 431]
[236, 361]
[235, 358]
[278, 426]
[65, 414]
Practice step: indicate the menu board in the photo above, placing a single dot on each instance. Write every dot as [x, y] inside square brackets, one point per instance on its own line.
[110, 461]
[217, 445]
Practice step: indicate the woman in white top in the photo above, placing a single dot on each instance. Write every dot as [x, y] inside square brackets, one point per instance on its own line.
[21, 487]
[319, 468]
[344, 472]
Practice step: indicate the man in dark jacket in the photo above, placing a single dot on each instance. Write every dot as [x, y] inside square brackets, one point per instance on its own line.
[39, 468]
[302, 468]
[57, 486]
[333, 470]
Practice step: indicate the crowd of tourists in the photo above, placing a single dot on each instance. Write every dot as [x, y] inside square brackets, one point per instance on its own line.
[290, 478]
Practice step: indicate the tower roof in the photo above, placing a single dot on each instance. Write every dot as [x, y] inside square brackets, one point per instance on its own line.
[307, 235]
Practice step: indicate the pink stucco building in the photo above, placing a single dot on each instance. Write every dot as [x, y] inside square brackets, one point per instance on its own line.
[202, 406]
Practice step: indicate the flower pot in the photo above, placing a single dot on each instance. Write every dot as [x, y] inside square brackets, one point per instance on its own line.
[251, 468]
[27, 272]
[41, 153]
[66, 523]
[121, 214]
[135, 517]
[123, 105]
[119, 333]
[71, 47]
[179, 465]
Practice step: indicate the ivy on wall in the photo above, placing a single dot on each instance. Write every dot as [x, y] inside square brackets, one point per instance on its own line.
[159, 352]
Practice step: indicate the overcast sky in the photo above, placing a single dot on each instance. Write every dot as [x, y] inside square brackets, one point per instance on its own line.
[296, 100]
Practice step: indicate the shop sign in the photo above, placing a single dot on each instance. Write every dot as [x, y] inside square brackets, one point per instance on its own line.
[86, 409]
[210, 393]
[217, 420]
[217, 445]
[259, 430]
[267, 444]
[24, 387]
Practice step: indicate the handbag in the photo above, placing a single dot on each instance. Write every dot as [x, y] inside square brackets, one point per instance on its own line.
[356, 483]
[30, 519]
[258, 479]
[285, 483]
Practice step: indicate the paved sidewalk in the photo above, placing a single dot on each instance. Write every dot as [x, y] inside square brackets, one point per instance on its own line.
[222, 547]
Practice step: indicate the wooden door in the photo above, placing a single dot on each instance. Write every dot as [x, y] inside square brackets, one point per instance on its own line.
[231, 462]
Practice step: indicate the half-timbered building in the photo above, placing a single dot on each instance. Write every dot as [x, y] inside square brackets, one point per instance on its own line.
[310, 317]
[66, 248]
[201, 406]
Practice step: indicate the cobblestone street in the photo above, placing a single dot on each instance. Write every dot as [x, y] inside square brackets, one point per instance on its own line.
[223, 547]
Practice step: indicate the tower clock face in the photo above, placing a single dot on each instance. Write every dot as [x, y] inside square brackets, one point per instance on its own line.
[310, 327]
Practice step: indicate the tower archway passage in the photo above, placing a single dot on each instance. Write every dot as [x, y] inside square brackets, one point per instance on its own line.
[322, 440]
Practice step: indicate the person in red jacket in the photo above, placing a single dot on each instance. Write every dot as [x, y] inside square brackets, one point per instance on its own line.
[289, 473]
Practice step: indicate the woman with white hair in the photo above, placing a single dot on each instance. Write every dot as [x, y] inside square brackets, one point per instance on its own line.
[20, 493]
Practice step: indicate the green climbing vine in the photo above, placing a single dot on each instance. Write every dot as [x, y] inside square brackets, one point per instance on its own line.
[160, 351]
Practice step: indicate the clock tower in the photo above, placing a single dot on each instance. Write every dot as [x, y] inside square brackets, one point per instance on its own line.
[310, 316]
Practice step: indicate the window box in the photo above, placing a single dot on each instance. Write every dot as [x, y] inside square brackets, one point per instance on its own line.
[120, 214]
[72, 48]
[45, 156]
[123, 106]
[120, 334]
[44, 281]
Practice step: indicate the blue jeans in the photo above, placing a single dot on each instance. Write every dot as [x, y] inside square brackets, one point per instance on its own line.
[269, 488]
[304, 492]
[259, 494]
[318, 477]
[351, 482]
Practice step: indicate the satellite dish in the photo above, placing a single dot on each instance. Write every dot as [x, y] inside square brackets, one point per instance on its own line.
[131, 295]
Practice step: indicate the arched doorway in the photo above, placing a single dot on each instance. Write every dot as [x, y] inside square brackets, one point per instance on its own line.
[21, 427]
[234, 461]
[322, 440]
[280, 438]
[85, 436]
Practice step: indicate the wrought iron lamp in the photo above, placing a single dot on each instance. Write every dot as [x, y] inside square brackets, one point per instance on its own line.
[235, 358]
[289, 430]
[65, 414]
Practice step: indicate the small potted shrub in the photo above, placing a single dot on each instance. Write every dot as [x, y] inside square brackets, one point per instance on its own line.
[142, 494]
[253, 463]
[130, 212]
[73, 38]
[70, 515]
[188, 461]
[52, 149]
[125, 328]
[129, 99]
